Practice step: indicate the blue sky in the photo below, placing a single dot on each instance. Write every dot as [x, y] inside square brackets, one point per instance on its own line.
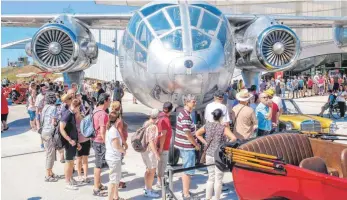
[10, 34]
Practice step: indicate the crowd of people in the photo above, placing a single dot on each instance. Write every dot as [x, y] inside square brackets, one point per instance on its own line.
[235, 114]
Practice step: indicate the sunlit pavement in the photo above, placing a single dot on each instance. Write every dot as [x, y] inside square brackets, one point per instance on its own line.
[23, 161]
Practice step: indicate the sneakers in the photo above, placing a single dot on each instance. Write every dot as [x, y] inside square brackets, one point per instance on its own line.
[151, 193]
[157, 186]
[70, 186]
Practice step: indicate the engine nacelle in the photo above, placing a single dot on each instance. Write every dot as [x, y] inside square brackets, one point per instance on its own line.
[276, 48]
[64, 44]
[340, 36]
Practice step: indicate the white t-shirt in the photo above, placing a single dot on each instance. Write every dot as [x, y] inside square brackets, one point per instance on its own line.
[112, 154]
[213, 106]
[278, 101]
[39, 103]
[341, 97]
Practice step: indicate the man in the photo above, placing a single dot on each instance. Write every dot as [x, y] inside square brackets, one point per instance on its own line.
[74, 86]
[39, 104]
[315, 86]
[264, 115]
[231, 96]
[295, 84]
[331, 100]
[185, 142]
[165, 134]
[69, 132]
[262, 85]
[118, 92]
[99, 91]
[243, 116]
[100, 119]
[275, 110]
[217, 104]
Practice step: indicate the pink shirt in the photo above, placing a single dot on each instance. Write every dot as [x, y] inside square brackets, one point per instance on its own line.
[100, 119]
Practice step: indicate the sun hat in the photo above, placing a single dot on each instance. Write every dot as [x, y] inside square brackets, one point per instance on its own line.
[244, 95]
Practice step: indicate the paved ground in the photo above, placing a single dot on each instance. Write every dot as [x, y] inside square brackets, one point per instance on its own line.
[23, 161]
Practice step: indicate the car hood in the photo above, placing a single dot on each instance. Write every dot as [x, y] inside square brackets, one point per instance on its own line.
[297, 119]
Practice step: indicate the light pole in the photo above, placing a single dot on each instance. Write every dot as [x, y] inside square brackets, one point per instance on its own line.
[115, 54]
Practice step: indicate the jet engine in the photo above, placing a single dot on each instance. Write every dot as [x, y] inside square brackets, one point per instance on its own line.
[64, 44]
[276, 48]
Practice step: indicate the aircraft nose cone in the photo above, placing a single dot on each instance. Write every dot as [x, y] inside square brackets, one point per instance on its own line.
[54, 48]
[188, 64]
[278, 48]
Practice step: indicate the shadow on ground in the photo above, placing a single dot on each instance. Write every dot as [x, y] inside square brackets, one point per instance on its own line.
[17, 127]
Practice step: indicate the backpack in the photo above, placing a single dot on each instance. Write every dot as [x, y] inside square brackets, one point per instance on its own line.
[87, 126]
[138, 140]
[57, 138]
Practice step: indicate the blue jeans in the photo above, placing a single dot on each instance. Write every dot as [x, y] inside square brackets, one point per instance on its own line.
[188, 158]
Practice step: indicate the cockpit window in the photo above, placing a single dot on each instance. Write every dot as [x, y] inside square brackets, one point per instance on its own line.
[151, 9]
[140, 54]
[209, 23]
[200, 40]
[134, 22]
[175, 15]
[173, 40]
[222, 35]
[127, 41]
[210, 8]
[144, 35]
[194, 14]
[159, 23]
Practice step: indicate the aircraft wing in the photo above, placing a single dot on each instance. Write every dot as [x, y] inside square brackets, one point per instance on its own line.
[292, 21]
[99, 21]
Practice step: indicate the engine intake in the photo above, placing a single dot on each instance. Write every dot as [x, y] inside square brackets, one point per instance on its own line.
[63, 45]
[277, 47]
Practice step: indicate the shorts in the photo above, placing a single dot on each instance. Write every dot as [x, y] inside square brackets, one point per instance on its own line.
[300, 88]
[100, 150]
[38, 116]
[149, 159]
[70, 152]
[4, 117]
[188, 158]
[85, 150]
[32, 115]
[115, 173]
[164, 156]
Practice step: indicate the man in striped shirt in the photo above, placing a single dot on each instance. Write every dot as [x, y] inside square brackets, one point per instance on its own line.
[185, 142]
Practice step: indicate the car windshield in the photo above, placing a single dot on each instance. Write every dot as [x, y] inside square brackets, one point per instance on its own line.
[289, 108]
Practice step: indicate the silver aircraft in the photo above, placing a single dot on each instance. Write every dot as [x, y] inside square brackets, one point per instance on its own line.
[173, 48]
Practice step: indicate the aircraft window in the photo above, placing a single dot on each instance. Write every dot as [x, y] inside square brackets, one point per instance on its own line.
[175, 14]
[134, 22]
[173, 40]
[210, 8]
[140, 54]
[194, 14]
[222, 35]
[151, 9]
[159, 23]
[128, 40]
[144, 35]
[209, 23]
[200, 40]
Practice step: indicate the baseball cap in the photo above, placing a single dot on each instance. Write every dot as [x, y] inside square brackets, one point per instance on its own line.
[219, 94]
[167, 106]
[154, 113]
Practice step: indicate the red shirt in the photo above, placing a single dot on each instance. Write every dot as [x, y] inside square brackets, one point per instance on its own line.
[4, 104]
[100, 119]
[310, 83]
[164, 124]
[275, 110]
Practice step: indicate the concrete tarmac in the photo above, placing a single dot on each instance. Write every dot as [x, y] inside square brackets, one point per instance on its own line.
[23, 161]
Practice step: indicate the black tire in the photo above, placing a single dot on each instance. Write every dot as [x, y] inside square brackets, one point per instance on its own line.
[334, 112]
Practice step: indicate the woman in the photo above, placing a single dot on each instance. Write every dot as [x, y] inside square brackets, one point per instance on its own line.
[4, 112]
[83, 153]
[321, 85]
[113, 155]
[290, 88]
[341, 100]
[32, 109]
[49, 121]
[216, 134]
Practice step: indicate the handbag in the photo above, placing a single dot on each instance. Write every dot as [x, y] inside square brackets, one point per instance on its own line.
[203, 155]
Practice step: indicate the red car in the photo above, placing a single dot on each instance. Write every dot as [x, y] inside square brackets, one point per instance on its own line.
[289, 166]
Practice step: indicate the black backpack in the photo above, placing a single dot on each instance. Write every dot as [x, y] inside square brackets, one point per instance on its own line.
[57, 138]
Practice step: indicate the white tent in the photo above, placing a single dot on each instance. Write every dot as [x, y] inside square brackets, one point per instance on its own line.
[26, 75]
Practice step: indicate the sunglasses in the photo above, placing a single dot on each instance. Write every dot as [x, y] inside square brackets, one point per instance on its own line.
[265, 97]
